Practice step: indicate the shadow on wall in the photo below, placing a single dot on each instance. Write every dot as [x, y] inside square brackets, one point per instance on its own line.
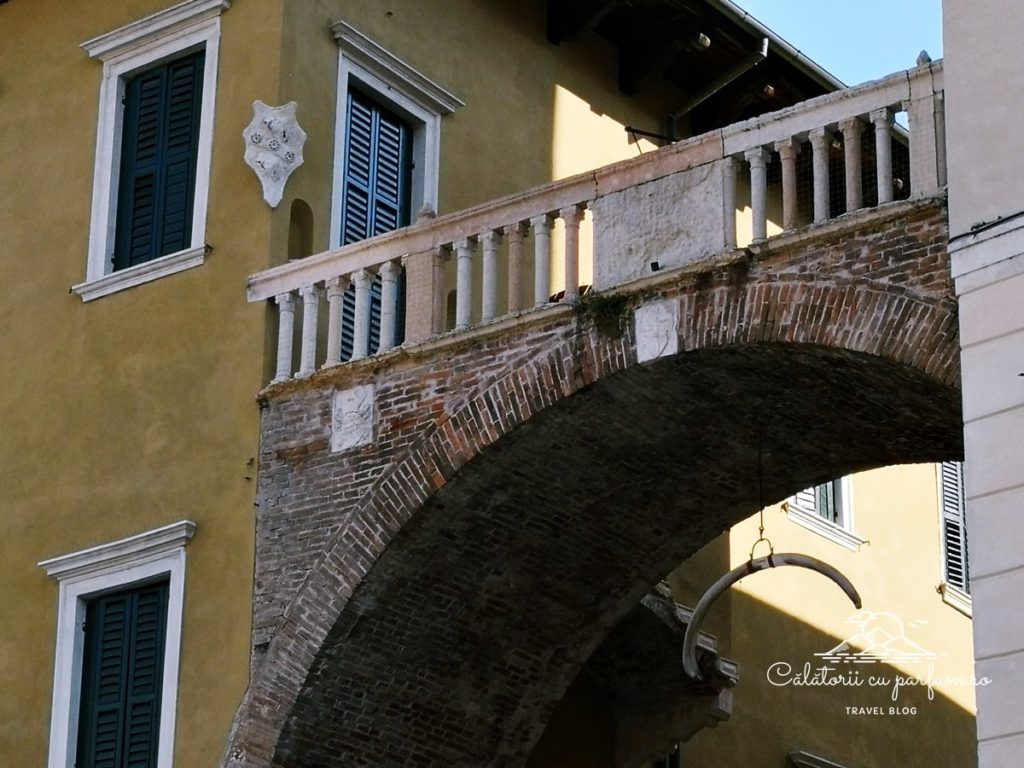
[864, 717]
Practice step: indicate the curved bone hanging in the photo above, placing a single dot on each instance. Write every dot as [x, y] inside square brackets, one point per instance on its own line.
[726, 581]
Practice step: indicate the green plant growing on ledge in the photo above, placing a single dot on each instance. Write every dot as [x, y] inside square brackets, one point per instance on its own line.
[606, 311]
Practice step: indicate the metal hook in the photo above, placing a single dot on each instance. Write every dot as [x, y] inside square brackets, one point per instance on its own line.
[766, 540]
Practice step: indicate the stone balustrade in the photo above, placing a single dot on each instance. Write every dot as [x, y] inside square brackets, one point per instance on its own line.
[663, 209]
[834, 121]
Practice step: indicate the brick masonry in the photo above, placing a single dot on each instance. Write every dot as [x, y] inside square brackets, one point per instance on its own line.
[428, 598]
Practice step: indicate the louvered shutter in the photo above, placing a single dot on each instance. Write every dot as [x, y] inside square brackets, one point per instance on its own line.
[954, 528]
[159, 145]
[122, 675]
[375, 197]
[806, 500]
[821, 500]
[825, 502]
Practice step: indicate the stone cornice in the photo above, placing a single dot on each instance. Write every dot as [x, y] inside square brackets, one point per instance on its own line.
[372, 57]
[151, 27]
[117, 554]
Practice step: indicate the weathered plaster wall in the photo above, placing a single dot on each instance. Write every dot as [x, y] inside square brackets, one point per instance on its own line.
[135, 410]
[533, 111]
[138, 409]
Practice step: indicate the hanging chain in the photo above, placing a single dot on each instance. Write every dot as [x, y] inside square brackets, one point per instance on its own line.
[760, 499]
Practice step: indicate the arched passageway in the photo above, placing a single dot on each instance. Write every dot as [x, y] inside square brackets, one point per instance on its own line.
[427, 597]
[458, 643]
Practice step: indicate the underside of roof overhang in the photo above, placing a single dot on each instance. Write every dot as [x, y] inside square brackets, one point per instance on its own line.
[711, 50]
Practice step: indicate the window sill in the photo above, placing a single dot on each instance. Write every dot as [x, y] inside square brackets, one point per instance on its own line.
[807, 760]
[142, 273]
[957, 598]
[822, 527]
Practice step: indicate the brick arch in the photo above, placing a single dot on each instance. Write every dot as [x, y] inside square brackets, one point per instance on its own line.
[739, 320]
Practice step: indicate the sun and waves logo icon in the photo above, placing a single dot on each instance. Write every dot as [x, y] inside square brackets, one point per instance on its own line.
[882, 638]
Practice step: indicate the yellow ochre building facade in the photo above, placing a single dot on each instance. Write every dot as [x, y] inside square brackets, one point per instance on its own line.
[131, 361]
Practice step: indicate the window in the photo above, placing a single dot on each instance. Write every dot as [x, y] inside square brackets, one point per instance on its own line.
[122, 676]
[408, 95]
[378, 170]
[387, 154]
[825, 500]
[956, 584]
[118, 638]
[375, 195]
[152, 169]
[826, 509]
[159, 140]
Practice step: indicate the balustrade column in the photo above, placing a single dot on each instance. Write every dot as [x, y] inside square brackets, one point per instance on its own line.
[852, 130]
[463, 283]
[821, 139]
[336, 288]
[490, 275]
[439, 314]
[515, 233]
[389, 272]
[361, 279]
[285, 330]
[571, 217]
[882, 118]
[730, 167]
[541, 259]
[310, 307]
[788, 150]
[758, 159]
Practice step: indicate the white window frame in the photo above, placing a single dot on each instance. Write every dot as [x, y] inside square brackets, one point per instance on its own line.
[403, 90]
[192, 25]
[952, 595]
[842, 533]
[92, 572]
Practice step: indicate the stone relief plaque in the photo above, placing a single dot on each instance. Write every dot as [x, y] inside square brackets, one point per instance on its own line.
[273, 147]
[352, 418]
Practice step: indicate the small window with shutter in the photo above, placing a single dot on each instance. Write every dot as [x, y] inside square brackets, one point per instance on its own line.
[122, 676]
[119, 623]
[159, 145]
[154, 144]
[825, 500]
[375, 196]
[956, 567]
[827, 510]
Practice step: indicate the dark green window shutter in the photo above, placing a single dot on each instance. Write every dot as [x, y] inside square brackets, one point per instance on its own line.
[375, 195]
[825, 501]
[821, 500]
[954, 526]
[159, 145]
[122, 675]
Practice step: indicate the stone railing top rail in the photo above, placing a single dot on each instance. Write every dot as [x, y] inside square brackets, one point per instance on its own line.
[470, 222]
[424, 236]
[831, 108]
